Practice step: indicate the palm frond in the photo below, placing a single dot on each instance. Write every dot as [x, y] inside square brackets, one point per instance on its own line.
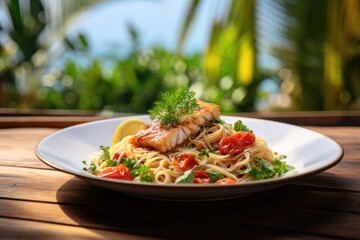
[189, 18]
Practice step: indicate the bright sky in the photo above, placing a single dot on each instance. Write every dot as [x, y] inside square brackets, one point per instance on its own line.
[158, 22]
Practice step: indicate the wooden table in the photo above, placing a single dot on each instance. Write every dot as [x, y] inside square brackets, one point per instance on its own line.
[37, 201]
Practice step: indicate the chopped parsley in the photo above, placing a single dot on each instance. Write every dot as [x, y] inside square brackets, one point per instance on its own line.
[105, 157]
[130, 163]
[205, 152]
[265, 170]
[219, 121]
[281, 167]
[189, 176]
[174, 106]
[91, 168]
[138, 169]
[148, 177]
[106, 153]
[240, 126]
[214, 176]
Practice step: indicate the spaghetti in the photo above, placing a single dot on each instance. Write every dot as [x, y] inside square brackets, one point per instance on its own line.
[218, 153]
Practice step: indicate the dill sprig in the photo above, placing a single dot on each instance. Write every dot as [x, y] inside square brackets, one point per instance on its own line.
[174, 106]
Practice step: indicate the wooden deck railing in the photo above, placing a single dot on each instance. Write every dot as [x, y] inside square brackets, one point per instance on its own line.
[61, 119]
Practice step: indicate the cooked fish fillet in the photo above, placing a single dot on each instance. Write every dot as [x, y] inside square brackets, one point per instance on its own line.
[163, 139]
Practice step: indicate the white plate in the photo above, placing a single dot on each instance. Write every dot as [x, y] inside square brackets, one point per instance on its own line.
[309, 151]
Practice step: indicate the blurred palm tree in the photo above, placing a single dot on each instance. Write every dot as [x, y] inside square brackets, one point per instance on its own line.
[229, 62]
[323, 57]
[32, 34]
[320, 60]
[342, 55]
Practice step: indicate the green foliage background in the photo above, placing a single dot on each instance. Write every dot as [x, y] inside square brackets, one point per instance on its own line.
[320, 67]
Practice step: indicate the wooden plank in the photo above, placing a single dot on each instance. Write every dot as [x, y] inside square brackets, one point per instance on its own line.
[331, 181]
[24, 229]
[343, 135]
[31, 184]
[169, 219]
[313, 118]
[38, 211]
[47, 121]
[345, 169]
[55, 187]
[310, 197]
[19, 135]
[352, 153]
[17, 146]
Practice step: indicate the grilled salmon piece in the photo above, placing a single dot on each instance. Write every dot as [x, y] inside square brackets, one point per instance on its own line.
[163, 138]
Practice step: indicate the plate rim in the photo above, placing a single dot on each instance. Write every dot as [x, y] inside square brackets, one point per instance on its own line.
[250, 184]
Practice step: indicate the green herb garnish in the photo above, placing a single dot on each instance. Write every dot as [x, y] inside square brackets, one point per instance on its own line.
[240, 126]
[106, 153]
[281, 167]
[105, 157]
[91, 168]
[191, 145]
[141, 170]
[138, 169]
[219, 121]
[130, 163]
[205, 152]
[266, 170]
[148, 177]
[174, 106]
[263, 171]
[188, 177]
[214, 176]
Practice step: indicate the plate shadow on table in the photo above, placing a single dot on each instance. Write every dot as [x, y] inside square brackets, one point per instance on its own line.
[291, 210]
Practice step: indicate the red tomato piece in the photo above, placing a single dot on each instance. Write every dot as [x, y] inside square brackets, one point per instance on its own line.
[119, 155]
[201, 177]
[226, 180]
[230, 145]
[116, 156]
[109, 172]
[187, 161]
[246, 138]
[124, 172]
[119, 172]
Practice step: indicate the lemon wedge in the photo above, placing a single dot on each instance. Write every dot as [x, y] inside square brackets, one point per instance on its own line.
[128, 127]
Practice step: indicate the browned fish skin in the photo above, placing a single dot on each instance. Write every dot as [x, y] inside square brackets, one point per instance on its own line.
[163, 139]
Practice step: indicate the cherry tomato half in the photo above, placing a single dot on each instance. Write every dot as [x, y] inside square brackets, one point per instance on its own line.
[246, 138]
[230, 145]
[186, 161]
[201, 177]
[226, 180]
[119, 172]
